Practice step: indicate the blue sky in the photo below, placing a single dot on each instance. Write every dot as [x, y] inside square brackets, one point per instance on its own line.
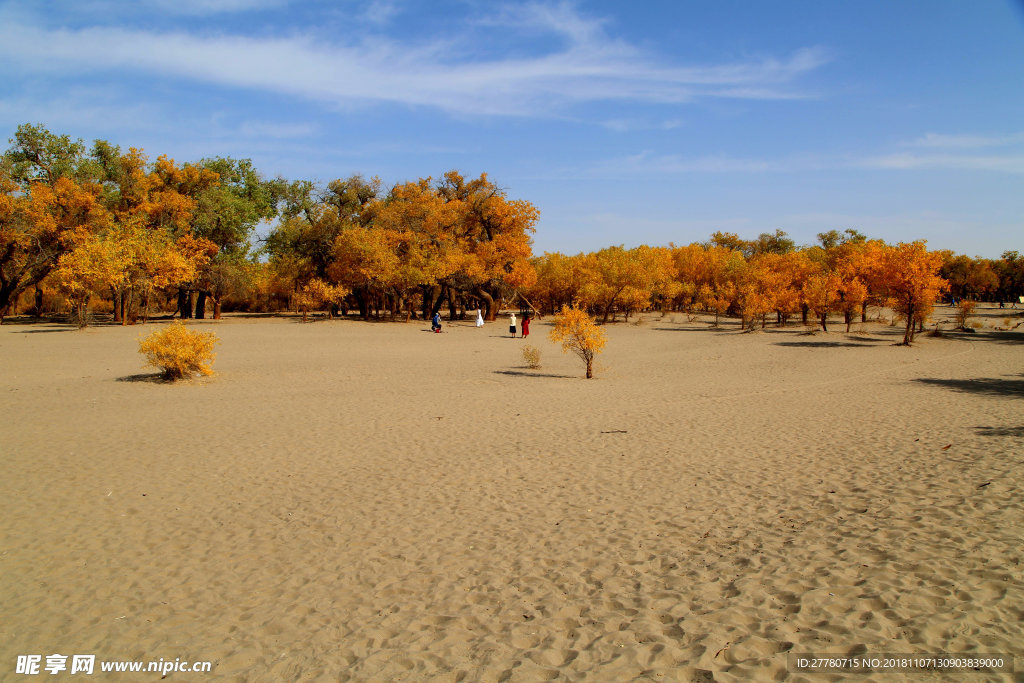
[625, 123]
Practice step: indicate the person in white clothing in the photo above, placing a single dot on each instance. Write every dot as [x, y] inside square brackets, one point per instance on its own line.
[512, 324]
[479, 318]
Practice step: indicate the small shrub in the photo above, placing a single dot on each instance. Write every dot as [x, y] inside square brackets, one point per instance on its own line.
[179, 351]
[964, 309]
[531, 355]
[977, 324]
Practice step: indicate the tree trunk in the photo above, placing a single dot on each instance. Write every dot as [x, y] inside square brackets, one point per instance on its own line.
[424, 301]
[489, 312]
[803, 313]
[590, 368]
[184, 304]
[116, 297]
[437, 298]
[453, 312]
[364, 306]
[431, 301]
[201, 305]
[864, 312]
[37, 309]
[908, 333]
[824, 319]
[216, 307]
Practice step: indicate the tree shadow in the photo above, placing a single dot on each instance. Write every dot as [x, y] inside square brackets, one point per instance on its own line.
[530, 373]
[1000, 431]
[150, 377]
[692, 328]
[983, 385]
[243, 315]
[820, 344]
[996, 336]
[64, 328]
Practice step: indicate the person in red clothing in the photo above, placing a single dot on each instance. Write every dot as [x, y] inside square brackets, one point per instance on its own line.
[526, 326]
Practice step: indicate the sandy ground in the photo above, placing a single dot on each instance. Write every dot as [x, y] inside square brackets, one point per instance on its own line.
[358, 501]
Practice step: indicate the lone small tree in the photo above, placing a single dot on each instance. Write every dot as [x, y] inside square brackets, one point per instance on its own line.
[577, 333]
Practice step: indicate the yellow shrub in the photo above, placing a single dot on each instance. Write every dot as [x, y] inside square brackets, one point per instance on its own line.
[179, 351]
[531, 354]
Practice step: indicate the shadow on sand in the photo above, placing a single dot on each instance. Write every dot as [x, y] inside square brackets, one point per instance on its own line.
[1000, 431]
[991, 386]
[151, 377]
[530, 373]
[821, 344]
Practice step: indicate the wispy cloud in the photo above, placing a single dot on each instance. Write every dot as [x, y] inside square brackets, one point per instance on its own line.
[381, 12]
[209, 7]
[589, 67]
[627, 125]
[276, 131]
[649, 162]
[940, 140]
[1009, 163]
[1003, 153]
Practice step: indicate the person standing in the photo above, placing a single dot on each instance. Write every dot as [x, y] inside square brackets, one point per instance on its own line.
[479, 318]
[512, 325]
[526, 326]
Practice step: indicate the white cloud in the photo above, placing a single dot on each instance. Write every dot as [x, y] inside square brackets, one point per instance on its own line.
[967, 141]
[627, 125]
[208, 7]
[1008, 163]
[590, 67]
[648, 162]
[381, 12]
[276, 131]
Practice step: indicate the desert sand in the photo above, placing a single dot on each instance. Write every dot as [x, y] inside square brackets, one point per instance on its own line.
[347, 500]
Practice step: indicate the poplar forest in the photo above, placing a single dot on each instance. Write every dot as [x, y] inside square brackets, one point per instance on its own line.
[101, 233]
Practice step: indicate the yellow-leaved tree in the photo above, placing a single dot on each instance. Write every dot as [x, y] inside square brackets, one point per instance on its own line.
[576, 332]
[909, 274]
[317, 294]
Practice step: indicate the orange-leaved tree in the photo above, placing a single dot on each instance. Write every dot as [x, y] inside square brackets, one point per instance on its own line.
[576, 332]
[909, 274]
